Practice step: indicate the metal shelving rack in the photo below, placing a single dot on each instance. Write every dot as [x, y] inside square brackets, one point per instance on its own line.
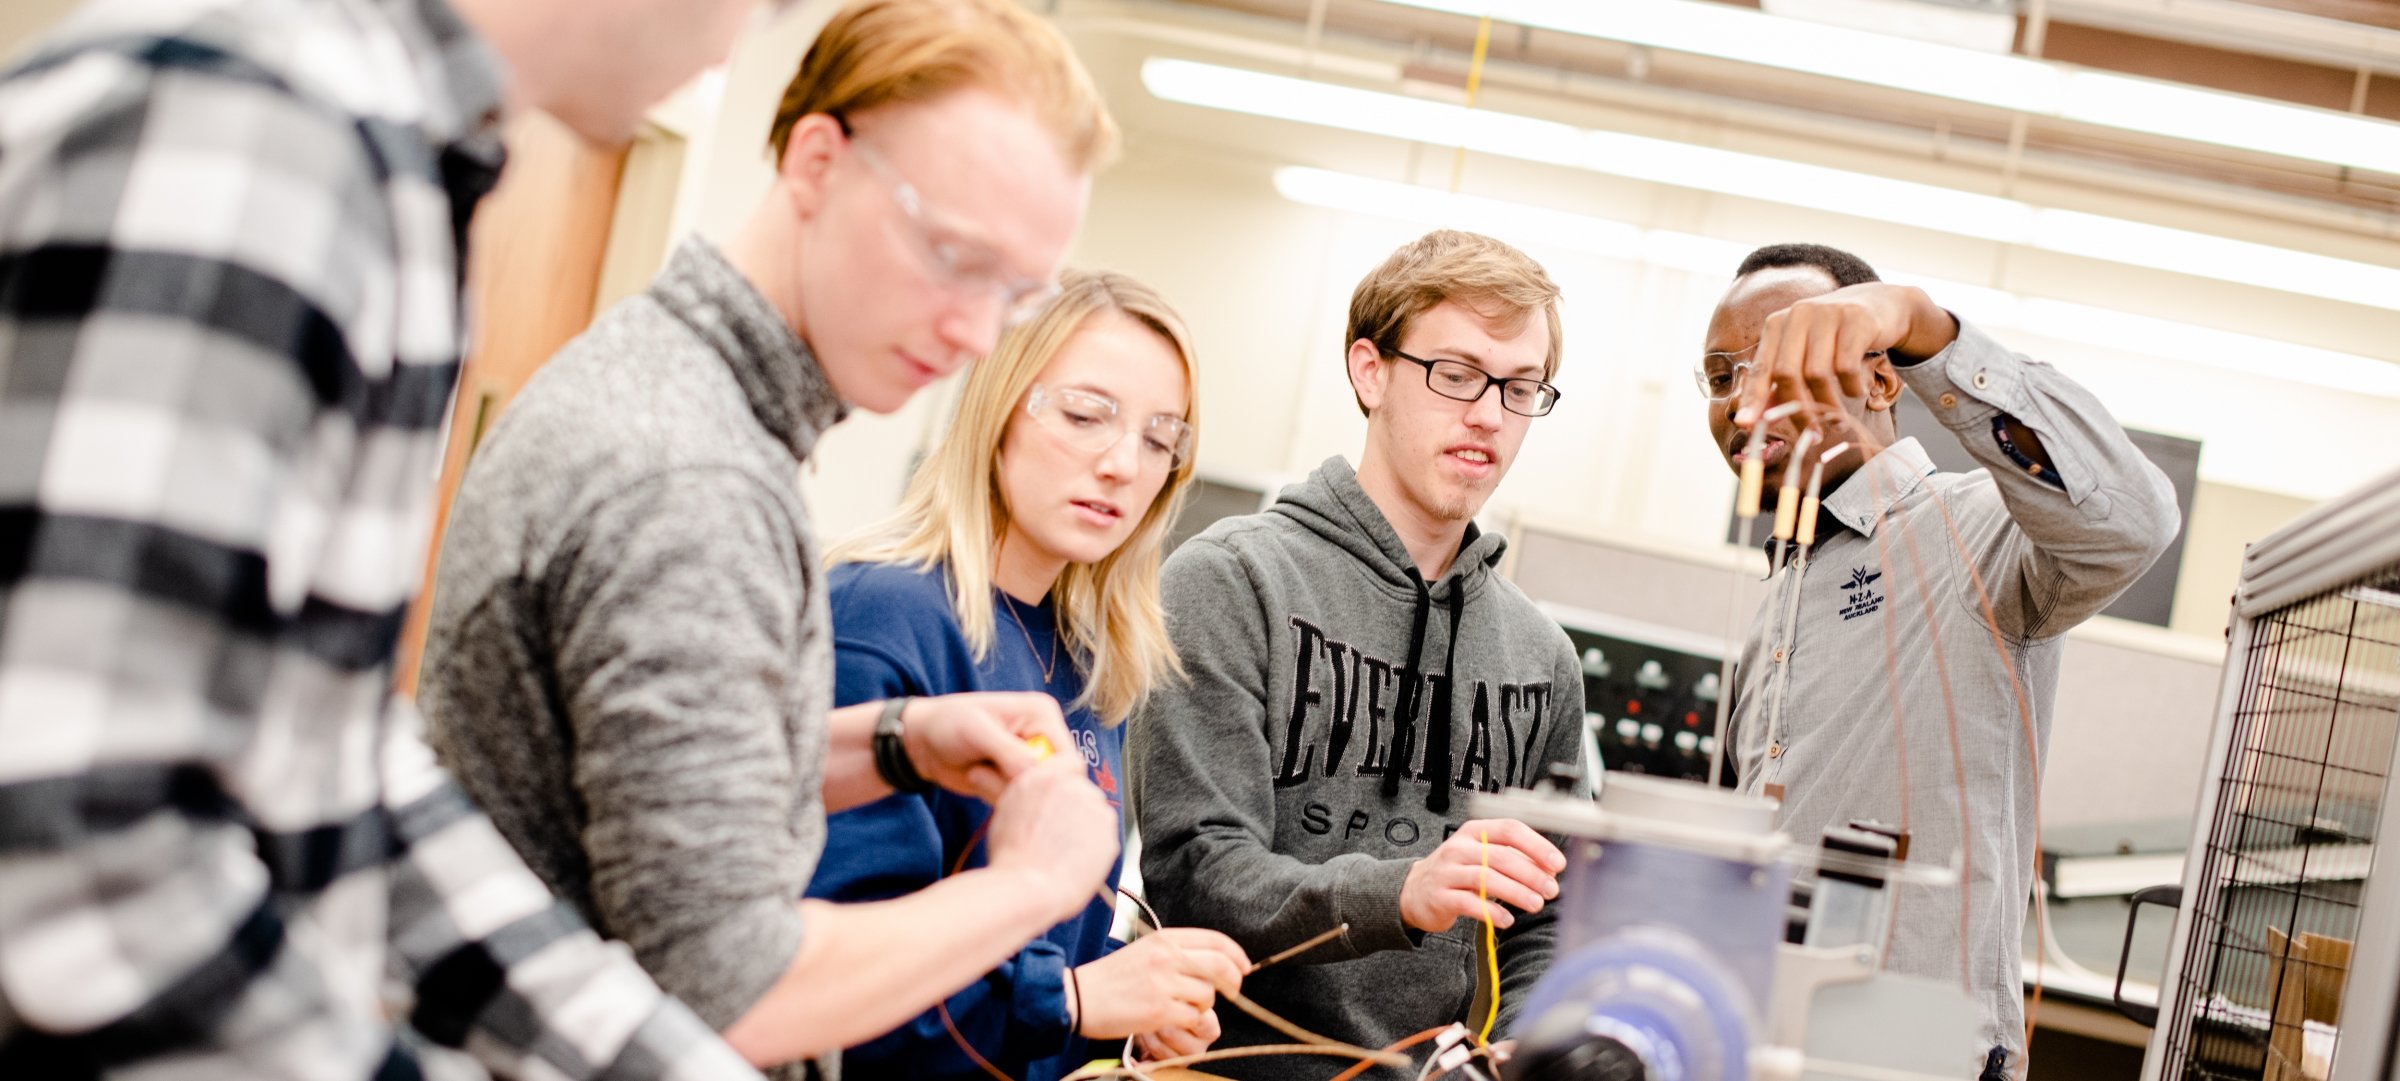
[2286, 949]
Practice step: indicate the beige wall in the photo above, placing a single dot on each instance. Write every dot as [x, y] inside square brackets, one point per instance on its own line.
[2226, 519]
[20, 20]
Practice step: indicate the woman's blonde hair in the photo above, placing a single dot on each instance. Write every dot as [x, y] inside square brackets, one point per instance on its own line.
[955, 514]
[895, 52]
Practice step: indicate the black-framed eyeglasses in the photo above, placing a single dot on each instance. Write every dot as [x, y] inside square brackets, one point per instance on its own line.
[1459, 380]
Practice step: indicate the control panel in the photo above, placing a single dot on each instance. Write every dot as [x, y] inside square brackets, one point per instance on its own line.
[1649, 693]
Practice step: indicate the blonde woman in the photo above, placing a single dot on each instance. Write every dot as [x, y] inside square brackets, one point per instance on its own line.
[1025, 558]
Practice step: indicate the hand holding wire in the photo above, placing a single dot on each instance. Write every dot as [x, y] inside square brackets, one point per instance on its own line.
[1442, 888]
[1179, 1041]
[975, 744]
[1052, 828]
[1164, 981]
[1825, 349]
[1811, 501]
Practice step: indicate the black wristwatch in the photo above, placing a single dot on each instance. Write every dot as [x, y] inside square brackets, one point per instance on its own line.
[891, 755]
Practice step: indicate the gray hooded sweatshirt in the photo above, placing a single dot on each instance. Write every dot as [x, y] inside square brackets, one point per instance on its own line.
[1265, 789]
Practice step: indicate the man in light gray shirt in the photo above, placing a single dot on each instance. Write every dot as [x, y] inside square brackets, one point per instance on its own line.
[1899, 676]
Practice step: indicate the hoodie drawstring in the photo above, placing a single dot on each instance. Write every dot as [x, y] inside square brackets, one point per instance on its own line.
[1437, 736]
[1404, 729]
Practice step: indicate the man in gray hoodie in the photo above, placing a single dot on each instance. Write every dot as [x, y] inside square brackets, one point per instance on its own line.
[1357, 669]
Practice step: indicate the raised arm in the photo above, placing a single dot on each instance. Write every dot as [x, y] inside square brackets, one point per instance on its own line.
[2091, 511]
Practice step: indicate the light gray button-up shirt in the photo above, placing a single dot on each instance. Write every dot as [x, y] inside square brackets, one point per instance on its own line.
[1886, 608]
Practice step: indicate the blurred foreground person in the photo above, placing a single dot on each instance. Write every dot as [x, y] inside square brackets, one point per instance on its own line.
[231, 241]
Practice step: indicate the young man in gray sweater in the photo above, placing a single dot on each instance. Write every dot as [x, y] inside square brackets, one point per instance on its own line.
[1358, 668]
[2066, 514]
[630, 659]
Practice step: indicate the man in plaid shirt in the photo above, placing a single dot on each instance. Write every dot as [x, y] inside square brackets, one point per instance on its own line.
[230, 257]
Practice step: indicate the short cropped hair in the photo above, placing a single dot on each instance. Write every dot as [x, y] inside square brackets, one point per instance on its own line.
[1499, 282]
[891, 52]
[1844, 268]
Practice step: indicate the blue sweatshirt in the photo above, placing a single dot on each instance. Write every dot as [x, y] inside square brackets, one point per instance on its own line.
[895, 634]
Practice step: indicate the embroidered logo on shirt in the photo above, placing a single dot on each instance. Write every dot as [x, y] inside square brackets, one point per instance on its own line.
[1860, 598]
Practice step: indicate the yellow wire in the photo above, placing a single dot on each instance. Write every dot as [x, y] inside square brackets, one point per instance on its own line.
[1483, 45]
[1491, 937]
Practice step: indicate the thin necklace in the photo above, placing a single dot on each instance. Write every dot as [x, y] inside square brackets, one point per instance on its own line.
[1048, 666]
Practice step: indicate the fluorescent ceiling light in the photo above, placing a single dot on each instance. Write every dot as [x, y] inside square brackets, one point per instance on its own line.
[1552, 143]
[1752, 37]
[1775, 180]
[1993, 308]
[1497, 217]
[2264, 357]
[2225, 259]
[1988, 28]
[2017, 83]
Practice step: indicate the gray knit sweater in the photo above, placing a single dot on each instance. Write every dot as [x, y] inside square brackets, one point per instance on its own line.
[630, 663]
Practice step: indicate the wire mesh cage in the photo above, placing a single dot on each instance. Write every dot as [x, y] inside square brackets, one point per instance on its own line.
[2277, 889]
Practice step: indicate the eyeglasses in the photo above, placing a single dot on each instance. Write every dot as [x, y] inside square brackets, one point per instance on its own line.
[1466, 382]
[960, 264]
[1721, 375]
[1092, 422]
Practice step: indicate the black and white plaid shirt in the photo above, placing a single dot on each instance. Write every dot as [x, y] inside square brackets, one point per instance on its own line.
[230, 237]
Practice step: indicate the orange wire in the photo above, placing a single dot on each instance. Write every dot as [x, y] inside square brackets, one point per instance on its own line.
[960, 1038]
[2024, 713]
[1958, 758]
[943, 1007]
[2033, 753]
[1401, 1045]
[1087, 1073]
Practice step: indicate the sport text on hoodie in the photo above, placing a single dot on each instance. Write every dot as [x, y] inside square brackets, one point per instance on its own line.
[1338, 714]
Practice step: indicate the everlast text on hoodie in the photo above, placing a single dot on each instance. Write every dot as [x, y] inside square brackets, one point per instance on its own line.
[1340, 711]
